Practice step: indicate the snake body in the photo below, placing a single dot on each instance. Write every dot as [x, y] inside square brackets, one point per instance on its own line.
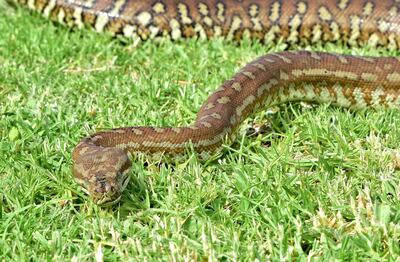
[101, 162]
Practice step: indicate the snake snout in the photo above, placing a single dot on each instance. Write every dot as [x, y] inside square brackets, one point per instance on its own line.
[103, 172]
[104, 187]
[107, 192]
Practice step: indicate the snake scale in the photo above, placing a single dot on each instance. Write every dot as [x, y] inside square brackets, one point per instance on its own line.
[101, 162]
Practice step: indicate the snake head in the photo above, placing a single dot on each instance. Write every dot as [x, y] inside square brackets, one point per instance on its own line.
[102, 171]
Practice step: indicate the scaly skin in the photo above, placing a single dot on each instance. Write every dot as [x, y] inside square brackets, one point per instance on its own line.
[101, 164]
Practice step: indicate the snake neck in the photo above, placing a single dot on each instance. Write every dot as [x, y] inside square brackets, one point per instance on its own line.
[270, 80]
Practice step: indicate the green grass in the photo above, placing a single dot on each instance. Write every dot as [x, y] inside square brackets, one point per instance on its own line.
[322, 184]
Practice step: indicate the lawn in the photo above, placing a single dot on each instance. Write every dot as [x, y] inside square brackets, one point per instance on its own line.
[323, 183]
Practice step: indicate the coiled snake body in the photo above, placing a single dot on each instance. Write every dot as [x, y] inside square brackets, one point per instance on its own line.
[101, 163]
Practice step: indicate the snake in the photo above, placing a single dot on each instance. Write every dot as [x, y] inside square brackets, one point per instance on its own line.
[102, 161]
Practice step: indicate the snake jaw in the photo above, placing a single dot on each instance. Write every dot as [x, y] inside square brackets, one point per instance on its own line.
[102, 172]
[111, 192]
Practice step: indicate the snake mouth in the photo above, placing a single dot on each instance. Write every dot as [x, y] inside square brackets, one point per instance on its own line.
[110, 198]
[105, 202]
[114, 197]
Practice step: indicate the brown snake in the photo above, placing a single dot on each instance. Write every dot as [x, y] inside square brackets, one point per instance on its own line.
[101, 162]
